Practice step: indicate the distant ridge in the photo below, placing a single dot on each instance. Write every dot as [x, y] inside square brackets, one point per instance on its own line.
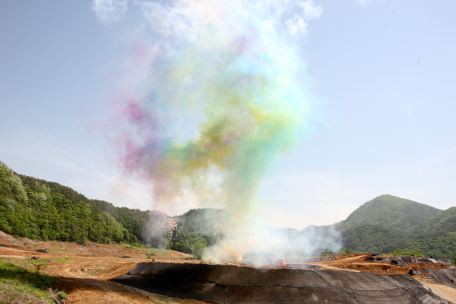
[443, 222]
[392, 212]
[41, 209]
[387, 223]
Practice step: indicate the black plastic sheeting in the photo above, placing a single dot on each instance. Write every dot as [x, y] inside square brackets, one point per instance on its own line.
[444, 276]
[232, 284]
[302, 266]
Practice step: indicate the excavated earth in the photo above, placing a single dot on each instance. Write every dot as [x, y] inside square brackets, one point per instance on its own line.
[237, 284]
[85, 274]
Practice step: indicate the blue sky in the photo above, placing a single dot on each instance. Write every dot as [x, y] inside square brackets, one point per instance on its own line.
[381, 72]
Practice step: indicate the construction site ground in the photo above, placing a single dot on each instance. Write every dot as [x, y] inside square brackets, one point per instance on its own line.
[358, 264]
[84, 271]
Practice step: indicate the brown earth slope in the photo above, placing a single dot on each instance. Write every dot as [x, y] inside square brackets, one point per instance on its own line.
[83, 271]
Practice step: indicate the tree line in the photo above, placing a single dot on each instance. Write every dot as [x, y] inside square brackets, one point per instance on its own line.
[33, 208]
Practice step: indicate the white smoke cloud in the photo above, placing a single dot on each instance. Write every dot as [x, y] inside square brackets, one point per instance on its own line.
[296, 25]
[109, 11]
[257, 244]
[208, 26]
[184, 19]
[311, 11]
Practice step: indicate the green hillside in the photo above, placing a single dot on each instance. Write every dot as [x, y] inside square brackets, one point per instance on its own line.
[387, 223]
[438, 245]
[133, 220]
[437, 225]
[39, 209]
[31, 209]
[398, 214]
[370, 238]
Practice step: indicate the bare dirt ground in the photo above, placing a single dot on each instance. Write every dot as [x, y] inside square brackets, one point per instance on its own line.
[445, 292]
[83, 271]
[87, 282]
[358, 264]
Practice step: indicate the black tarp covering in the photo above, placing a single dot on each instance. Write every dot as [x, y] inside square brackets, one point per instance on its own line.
[232, 284]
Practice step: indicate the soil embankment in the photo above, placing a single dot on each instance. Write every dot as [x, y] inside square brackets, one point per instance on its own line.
[83, 271]
[359, 264]
[237, 284]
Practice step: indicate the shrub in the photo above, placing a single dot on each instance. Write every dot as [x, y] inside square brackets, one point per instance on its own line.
[410, 253]
[198, 250]
[62, 295]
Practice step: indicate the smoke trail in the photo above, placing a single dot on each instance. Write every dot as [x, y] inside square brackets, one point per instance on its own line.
[237, 63]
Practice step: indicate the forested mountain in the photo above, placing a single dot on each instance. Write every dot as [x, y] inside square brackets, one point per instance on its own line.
[49, 211]
[437, 245]
[39, 209]
[134, 220]
[398, 214]
[370, 238]
[439, 224]
[387, 223]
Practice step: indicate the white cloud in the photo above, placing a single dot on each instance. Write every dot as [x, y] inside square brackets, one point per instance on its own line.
[296, 25]
[109, 11]
[311, 11]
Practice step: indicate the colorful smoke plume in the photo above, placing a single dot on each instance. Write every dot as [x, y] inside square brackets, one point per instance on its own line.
[235, 68]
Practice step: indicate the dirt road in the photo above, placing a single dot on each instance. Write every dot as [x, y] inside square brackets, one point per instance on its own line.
[87, 282]
[83, 272]
[445, 292]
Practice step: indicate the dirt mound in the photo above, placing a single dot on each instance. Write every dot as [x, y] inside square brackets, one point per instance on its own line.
[8, 239]
[401, 260]
[384, 268]
[233, 284]
[444, 276]
[399, 263]
[378, 259]
[416, 272]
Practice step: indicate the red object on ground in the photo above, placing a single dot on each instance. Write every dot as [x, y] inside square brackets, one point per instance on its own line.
[280, 263]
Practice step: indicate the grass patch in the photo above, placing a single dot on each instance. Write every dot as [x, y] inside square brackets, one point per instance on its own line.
[410, 253]
[19, 285]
